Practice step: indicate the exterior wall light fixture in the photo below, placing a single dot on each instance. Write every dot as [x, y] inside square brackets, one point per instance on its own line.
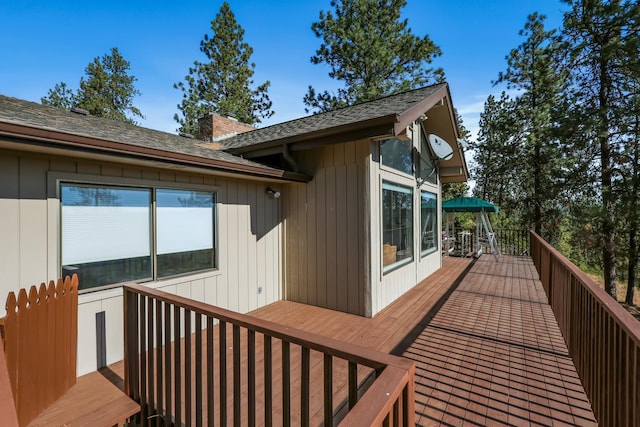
[273, 193]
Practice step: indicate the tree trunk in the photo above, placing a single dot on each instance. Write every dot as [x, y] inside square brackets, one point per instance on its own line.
[633, 262]
[633, 222]
[608, 209]
[537, 190]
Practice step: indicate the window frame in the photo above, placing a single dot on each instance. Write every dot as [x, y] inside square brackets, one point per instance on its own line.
[410, 259]
[214, 214]
[57, 180]
[431, 250]
[391, 169]
[150, 224]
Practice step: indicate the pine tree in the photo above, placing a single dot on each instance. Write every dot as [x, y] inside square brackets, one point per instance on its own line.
[599, 34]
[533, 69]
[106, 90]
[223, 83]
[499, 146]
[457, 189]
[371, 51]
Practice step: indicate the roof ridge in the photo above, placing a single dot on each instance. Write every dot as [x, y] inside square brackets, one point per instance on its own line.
[361, 111]
[346, 107]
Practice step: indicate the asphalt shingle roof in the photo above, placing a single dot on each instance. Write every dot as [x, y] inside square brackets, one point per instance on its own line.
[382, 107]
[26, 113]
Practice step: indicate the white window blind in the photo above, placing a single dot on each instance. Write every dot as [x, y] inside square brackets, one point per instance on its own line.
[102, 224]
[184, 221]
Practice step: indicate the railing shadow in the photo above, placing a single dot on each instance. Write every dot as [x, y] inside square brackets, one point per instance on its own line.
[491, 353]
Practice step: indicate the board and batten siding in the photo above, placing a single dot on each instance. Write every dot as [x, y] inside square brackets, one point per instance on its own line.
[326, 257]
[249, 231]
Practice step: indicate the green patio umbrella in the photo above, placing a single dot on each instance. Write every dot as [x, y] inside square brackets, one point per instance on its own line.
[468, 204]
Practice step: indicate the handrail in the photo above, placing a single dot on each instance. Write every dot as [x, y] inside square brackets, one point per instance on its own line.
[603, 339]
[326, 388]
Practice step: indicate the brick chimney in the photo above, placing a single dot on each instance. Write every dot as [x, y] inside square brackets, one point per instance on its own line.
[213, 127]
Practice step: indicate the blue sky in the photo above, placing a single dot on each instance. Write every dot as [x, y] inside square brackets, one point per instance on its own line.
[45, 42]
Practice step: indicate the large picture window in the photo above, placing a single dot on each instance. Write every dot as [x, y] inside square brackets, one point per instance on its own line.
[397, 225]
[108, 233]
[397, 154]
[184, 231]
[428, 222]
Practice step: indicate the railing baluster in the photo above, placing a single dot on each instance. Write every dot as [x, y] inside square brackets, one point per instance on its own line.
[268, 383]
[150, 362]
[396, 414]
[286, 384]
[635, 380]
[251, 376]
[237, 389]
[131, 328]
[144, 409]
[353, 384]
[159, 347]
[305, 386]
[210, 374]
[198, 354]
[407, 413]
[187, 368]
[167, 363]
[178, 365]
[222, 338]
[328, 390]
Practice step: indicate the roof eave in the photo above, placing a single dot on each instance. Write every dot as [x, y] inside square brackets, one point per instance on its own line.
[378, 126]
[74, 141]
[412, 114]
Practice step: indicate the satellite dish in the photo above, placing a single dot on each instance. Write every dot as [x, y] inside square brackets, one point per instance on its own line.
[441, 149]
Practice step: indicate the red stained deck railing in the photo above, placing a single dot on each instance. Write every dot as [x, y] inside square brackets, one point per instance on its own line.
[261, 373]
[602, 337]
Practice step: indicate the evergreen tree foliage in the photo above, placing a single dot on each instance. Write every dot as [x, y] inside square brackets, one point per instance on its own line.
[60, 97]
[600, 34]
[534, 71]
[570, 133]
[371, 51]
[106, 90]
[223, 82]
[498, 148]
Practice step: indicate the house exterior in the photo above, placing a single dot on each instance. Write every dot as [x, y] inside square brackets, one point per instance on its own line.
[356, 224]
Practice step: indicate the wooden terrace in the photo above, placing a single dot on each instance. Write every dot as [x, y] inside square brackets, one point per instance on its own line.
[486, 346]
[477, 343]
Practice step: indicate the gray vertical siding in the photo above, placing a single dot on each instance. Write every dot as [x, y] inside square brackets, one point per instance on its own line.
[325, 221]
[249, 240]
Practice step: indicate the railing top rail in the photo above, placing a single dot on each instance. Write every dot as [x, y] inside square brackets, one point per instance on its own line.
[371, 358]
[622, 316]
[374, 405]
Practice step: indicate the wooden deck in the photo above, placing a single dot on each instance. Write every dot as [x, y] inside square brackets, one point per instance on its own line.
[487, 347]
[486, 344]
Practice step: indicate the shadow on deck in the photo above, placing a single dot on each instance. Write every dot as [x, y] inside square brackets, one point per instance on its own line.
[486, 344]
